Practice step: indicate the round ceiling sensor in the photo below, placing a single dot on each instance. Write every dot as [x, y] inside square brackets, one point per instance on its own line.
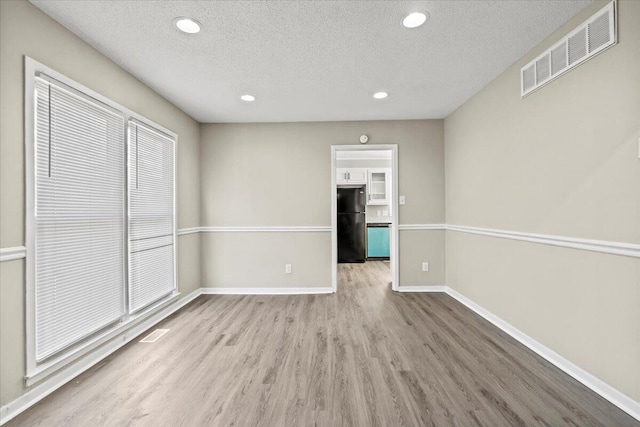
[415, 19]
[364, 139]
[248, 98]
[380, 95]
[187, 25]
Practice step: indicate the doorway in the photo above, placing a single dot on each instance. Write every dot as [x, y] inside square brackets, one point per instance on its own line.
[377, 195]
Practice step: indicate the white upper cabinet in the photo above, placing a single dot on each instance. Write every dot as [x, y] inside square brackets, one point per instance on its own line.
[378, 186]
[351, 176]
[357, 176]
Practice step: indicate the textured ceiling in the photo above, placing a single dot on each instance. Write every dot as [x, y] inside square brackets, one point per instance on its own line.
[314, 60]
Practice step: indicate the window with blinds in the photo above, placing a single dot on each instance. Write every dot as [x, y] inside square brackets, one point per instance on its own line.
[79, 218]
[100, 219]
[151, 221]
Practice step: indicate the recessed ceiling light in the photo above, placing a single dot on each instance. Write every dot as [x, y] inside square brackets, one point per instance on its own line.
[380, 95]
[187, 25]
[415, 19]
[248, 98]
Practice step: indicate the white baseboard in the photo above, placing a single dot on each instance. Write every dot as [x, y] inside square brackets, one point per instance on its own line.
[66, 374]
[614, 396]
[435, 288]
[266, 291]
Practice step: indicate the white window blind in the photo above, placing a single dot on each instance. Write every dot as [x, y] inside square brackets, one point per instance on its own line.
[79, 217]
[151, 215]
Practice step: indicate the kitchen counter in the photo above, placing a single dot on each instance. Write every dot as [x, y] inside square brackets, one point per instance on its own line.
[379, 220]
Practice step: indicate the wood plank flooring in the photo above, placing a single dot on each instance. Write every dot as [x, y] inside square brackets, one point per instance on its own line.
[365, 356]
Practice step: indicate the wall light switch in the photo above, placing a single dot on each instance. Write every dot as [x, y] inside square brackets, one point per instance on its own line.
[402, 200]
[425, 266]
[287, 268]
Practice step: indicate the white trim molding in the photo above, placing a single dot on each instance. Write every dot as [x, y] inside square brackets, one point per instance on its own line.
[434, 288]
[15, 252]
[296, 228]
[602, 246]
[56, 380]
[267, 291]
[608, 392]
[190, 230]
[422, 227]
[613, 248]
[267, 229]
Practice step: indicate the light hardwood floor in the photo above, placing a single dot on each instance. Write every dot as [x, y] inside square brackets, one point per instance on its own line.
[365, 356]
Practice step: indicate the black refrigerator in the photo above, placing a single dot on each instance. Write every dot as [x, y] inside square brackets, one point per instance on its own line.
[351, 225]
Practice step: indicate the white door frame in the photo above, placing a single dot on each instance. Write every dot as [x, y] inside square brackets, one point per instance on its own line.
[395, 258]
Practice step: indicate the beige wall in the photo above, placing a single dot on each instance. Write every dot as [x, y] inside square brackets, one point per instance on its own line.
[256, 260]
[24, 30]
[280, 174]
[563, 161]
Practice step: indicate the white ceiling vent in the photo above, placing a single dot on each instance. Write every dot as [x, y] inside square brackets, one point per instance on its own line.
[528, 78]
[558, 59]
[542, 68]
[587, 40]
[577, 45]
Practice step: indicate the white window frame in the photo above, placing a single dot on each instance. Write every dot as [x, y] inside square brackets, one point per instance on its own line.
[37, 371]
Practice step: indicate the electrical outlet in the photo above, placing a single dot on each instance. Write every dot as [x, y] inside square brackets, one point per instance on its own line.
[402, 200]
[425, 266]
[287, 268]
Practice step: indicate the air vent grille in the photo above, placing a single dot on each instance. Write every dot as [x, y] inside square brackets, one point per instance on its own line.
[155, 335]
[558, 59]
[599, 32]
[577, 46]
[587, 40]
[528, 78]
[542, 69]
